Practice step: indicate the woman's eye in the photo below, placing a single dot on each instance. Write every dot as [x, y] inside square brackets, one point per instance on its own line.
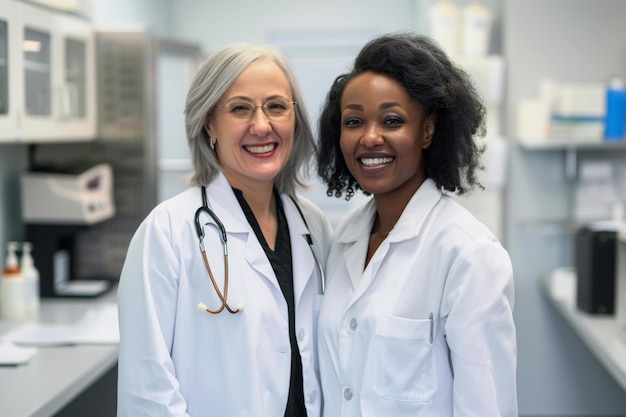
[352, 122]
[393, 121]
[276, 106]
[240, 108]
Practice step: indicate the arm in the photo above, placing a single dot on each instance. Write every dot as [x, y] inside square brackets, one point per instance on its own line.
[478, 309]
[147, 384]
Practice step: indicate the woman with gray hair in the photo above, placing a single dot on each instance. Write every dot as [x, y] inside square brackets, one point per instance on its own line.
[229, 328]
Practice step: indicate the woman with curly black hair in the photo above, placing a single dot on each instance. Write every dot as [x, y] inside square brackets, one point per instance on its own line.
[417, 316]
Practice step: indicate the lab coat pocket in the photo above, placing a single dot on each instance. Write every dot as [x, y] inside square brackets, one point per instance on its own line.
[404, 362]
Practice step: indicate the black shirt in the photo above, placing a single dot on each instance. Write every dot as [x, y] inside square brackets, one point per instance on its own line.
[280, 259]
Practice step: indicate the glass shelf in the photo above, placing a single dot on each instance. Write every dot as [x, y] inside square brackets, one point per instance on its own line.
[571, 148]
[561, 145]
[549, 227]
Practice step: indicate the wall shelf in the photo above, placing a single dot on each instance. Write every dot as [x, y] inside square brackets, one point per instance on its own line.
[571, 148]
[562, 145]
[550, 227]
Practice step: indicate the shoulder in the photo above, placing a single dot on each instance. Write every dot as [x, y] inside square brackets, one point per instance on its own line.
[187, 200]
[311, 212]
[457, 220]
[175, 210]
[315, 219]
[357, 217]
[455, 232]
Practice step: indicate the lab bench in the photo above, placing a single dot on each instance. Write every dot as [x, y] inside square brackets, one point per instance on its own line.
[58, 380]
[600, 333]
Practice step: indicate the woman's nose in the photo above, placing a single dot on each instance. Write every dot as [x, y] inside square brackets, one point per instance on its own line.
[371, 137]
[260, 123]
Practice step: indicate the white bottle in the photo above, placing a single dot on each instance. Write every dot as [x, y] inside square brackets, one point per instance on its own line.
[12, 286]
[31, 278]
[476, 30]
[445, 22]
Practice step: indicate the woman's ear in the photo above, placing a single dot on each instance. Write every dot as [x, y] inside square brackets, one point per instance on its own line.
[207, 126]
[429, 131]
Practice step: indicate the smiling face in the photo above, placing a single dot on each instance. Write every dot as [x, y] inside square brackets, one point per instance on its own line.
[383, 134]
[252, 151]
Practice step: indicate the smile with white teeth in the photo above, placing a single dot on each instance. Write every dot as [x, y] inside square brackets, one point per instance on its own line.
[260, 149]
[370, 162]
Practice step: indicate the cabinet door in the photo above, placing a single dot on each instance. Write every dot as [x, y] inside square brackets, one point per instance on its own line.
[8, 53]
[36, 116]
[75, 72]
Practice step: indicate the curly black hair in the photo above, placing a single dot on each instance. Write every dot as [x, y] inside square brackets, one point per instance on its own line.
[434, 81]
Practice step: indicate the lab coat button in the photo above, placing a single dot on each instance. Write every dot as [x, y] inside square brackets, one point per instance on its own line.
[353, 324]
[300, 334]
[347, 394]
[313, 396]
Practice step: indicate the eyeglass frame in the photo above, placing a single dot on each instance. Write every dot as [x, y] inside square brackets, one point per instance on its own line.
[225, 107]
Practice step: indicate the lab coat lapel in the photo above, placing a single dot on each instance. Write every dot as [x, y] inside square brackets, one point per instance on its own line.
[355, 238]
[257, 259]
[303, 263]
[416, 211]
[225, 204]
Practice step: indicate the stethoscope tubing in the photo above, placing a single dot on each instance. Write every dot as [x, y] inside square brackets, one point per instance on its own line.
[219, 227]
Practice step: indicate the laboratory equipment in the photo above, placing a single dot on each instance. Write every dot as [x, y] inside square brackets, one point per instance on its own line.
[57, 205]
[595, 268]
[70, 197]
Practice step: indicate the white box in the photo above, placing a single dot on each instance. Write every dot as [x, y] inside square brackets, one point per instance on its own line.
[68, 198]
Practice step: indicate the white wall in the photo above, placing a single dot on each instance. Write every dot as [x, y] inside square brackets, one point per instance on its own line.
[216, 23]
[152, 14]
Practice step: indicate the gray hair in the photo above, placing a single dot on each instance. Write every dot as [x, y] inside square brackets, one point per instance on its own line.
[215, 76]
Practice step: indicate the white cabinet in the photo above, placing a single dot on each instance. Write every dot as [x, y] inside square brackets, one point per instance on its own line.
[75, 85]
[51, 73]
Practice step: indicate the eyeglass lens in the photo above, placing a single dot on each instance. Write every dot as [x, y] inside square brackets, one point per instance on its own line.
[273, 109]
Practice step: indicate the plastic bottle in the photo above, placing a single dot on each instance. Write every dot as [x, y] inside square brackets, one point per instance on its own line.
[445, 21]
[615, 110]
[12, 286]
[31, 278]
[476, 30]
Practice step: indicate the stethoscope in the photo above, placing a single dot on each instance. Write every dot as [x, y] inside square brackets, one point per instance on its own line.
[219, 227]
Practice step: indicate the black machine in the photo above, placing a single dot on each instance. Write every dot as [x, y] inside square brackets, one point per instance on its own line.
[596, 261]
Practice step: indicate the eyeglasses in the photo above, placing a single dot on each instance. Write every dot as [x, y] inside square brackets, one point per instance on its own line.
[275, 109]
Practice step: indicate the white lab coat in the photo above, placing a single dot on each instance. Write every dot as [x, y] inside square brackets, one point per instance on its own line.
[380, 352]
[175, 360]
